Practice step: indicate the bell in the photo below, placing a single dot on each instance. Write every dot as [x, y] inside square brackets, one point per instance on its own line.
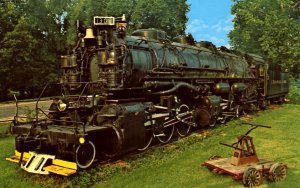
[89, 34]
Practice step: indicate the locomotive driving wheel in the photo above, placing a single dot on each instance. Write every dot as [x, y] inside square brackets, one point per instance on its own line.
[163, 132]
[252, 177]
[222, 119]
[203, 117]
[183, 128]
[148, 140]
[85, 155]
[212, 122]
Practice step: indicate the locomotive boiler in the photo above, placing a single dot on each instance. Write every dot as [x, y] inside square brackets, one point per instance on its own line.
[118, 92]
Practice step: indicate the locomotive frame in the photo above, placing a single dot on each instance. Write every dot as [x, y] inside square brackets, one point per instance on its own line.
[119, 92]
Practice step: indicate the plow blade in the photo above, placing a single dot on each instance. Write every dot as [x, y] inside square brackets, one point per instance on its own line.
[36, 163]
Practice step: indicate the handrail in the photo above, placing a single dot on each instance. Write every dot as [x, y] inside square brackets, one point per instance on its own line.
[39, 110]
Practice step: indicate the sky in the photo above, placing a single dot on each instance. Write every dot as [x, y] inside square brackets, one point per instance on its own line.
[210, 20]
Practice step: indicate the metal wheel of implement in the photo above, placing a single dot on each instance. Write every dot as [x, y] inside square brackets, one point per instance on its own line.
[148, 141]
[252, 177]
[277, 172]
[164, 133]
[183, 129]
[85, 155]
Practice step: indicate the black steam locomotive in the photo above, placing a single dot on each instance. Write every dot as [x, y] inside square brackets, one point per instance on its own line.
[119, 92]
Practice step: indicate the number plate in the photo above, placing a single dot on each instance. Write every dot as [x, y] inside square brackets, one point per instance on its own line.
[98, 20]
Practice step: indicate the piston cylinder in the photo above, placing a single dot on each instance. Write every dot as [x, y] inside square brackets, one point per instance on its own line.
[222, 87]
[238, 87]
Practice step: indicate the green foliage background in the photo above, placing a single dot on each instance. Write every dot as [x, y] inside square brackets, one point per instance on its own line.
[268, 28]
[294, 92]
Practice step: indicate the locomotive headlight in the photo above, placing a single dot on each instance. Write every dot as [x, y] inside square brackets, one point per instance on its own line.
[111, 58]
[61, 106]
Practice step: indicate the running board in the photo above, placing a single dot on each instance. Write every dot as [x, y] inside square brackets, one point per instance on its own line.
[36, 163]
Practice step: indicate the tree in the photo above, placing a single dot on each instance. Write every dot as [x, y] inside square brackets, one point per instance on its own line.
[168, 15]
[29, 47]
[83, 10]
[268, 28]
[10, 12]
[18, 69]
[117, 8]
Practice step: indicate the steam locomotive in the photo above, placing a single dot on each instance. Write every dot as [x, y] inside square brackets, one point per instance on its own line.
[117, 93]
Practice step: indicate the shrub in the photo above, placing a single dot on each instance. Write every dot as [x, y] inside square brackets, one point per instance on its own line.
[294, 91]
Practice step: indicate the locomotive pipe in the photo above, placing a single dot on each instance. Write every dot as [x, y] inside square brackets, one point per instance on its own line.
[176, 87]
[157, 84]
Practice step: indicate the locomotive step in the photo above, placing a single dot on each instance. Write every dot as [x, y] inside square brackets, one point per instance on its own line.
[34, 163]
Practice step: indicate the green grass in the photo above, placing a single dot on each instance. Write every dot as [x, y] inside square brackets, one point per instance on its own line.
[4, 130]
[180, 166]
[178, 163]
[10, 174]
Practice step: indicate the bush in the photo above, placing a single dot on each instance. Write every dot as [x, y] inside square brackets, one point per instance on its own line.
[294, 92]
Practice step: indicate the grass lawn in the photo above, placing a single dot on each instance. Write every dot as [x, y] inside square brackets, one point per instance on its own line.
[178, 163]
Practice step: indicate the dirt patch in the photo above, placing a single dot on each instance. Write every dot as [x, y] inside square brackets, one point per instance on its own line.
[274, 107]
[120, 164]
[247, 118]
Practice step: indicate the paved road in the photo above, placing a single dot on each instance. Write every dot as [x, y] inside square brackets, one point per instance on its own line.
[8, 110]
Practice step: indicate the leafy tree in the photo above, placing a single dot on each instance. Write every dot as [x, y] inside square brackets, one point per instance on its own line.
[10, 12]
[169, 15]
[83, 10]
[29, 47]
[268, 28]
[16, 56]
[117, 8]
[53, 13]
